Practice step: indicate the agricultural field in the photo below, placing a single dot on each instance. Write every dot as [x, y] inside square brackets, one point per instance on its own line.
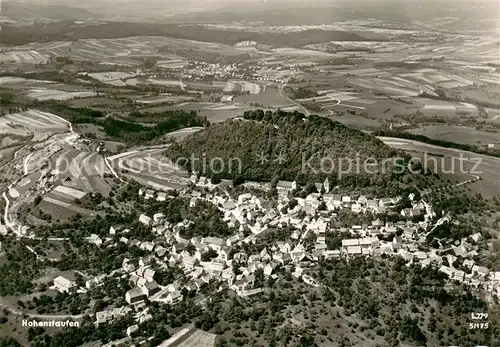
[458, 134]
[269, 97]
[129, 51]
[149, 167]
[23, 57]
[441, 108]
[162, 98]
[215, 112]
[60, 175]
[450, 159]
[43, 90]
[32, 123]
[81, 170]
[98, 102]
[242, 86]
[7, 154]
[53, 94]
[13, 82]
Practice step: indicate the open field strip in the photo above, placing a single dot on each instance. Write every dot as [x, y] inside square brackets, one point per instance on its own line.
[400, 91]
[451, 85]
[353, 106]
[56, 202]
[403, 80]
[398, 84]
[54, 94]
[69, 192]
[439, 107]
[490, 80]
[438, 78]
[460, 79]
[419, 77]
[363, 101]
[316, 98]
[11, 80]
[469, 106]
[31, 122]
[75, 167]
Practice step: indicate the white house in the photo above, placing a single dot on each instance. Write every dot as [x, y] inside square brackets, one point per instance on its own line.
[158, 217]
[161, 196]
[65, 284]
[145, 220]
[174, 297]
[149, 194]
[132, 329]
[134, 295]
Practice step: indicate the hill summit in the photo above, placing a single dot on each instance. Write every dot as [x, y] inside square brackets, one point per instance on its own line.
[267, 146]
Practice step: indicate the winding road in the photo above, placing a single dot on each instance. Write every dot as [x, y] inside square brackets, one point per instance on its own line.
[19, 312]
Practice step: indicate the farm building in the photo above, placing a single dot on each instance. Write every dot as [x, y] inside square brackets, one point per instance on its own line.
[65, 283]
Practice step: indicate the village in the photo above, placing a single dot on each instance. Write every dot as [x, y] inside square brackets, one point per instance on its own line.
[206, 259]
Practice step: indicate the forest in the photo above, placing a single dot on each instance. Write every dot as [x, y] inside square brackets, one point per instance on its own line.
[65, 31]
[270, 146]
[131, 132]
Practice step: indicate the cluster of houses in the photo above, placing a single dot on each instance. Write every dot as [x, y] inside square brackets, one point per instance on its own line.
[260, 71]
[204, 259]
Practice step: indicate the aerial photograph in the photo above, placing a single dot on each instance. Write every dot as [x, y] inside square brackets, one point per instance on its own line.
[258, 173]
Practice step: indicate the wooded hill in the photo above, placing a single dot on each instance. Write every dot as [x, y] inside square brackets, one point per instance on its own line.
[289, 146]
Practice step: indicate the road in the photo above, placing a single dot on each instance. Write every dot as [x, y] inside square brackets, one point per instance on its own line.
[19, 312]
[304, 110]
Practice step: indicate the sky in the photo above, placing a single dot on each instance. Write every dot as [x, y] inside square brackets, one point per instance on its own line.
[165, 8]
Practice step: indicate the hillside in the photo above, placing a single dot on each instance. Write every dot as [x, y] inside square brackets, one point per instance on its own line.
[66, 30]
[56, 12]
[330, 12]
[270, 146]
